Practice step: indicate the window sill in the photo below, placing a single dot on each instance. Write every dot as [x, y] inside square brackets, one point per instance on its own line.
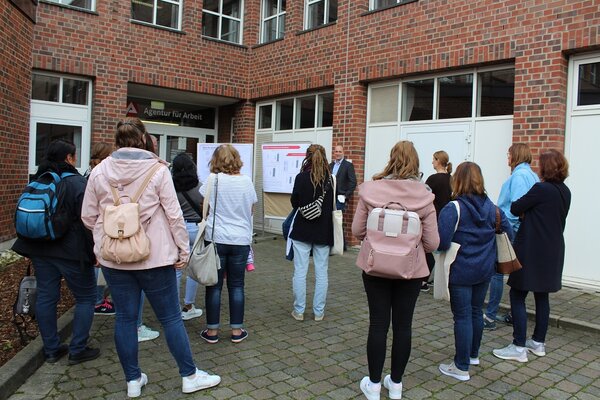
[212, 39]
[256, 46]
[388, 7]
[316, 28]
[164, 28]
[84, 10]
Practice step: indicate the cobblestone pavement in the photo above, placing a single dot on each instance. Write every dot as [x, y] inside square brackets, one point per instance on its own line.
[286, 359]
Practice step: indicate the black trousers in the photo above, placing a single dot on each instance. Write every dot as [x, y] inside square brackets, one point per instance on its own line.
[393, 299]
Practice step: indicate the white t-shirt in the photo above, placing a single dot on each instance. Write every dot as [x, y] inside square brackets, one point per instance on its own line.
[235, 197]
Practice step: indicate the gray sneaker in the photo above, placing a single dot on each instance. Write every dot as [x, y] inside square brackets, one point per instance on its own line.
[537, 348]
[512, 352]
[453, 371]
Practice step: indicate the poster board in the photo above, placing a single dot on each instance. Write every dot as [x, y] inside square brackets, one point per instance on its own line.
[206, 150]
[281, 164]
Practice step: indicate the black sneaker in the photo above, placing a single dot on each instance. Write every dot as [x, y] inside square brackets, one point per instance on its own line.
[62, 350]
[489, 324]
[106, 308]
[508, 318]
[424, 287]
[85, 355]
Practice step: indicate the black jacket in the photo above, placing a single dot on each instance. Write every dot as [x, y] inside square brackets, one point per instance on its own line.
[319, 230]
[77, 244]
[345, 178]
[539, 244]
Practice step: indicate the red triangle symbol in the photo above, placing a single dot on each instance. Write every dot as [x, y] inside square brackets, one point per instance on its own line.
[131, 110]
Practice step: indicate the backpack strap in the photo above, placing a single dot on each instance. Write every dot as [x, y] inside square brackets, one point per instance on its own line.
[145, 183]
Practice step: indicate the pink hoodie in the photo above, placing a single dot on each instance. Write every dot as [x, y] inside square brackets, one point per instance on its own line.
[127, 167]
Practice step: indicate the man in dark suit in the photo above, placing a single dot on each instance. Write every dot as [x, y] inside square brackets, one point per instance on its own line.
[345, 177]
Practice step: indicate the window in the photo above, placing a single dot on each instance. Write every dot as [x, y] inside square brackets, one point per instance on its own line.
[305, 112]
[325, 110]
[455, 96]
[384, 104]
[285, 114]
[52, 88]
[222, 19]
[273, 20]
[379, 4]
[588, 84]
[265, 116]
[320, 12]
[496, 93]
[417, 100]
[165, 13]
[47, 133]
[85, 4]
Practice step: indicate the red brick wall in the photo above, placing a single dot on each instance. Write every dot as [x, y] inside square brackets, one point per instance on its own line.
[15, 88]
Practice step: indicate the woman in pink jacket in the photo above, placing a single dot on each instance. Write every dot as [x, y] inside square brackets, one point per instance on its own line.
[161, 216]
[398, 182]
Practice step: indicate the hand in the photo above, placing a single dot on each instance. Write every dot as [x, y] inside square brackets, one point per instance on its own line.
[180, 265]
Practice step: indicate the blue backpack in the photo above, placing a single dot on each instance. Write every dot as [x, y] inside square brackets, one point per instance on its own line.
[40, 213]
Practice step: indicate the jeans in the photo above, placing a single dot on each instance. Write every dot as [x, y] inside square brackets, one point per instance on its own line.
[191, 286]
[81, 282]
[321, 261]
[233, 263]
[496, 288]
[399, 296]
[100, 289]
[519, 313]
[160, 287]
[466, 302]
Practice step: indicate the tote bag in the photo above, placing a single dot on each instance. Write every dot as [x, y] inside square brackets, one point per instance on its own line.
[338, 230]
[507, 261]
[443, 261]
[204, 261]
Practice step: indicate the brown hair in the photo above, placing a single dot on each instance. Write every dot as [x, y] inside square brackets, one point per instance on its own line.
[100, 151]
[554, 167]
[403, 163]
[131, 132]
[467, 179]
[519, 153]
[316, 162]
[442, 157]
[226, 159]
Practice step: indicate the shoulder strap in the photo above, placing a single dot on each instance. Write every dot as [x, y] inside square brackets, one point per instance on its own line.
[334, 192]
[209, 183]
[138, 194]
[455, 202]
[192, 204]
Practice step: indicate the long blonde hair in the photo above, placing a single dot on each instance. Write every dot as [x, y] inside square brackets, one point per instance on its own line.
[403, 163]
[444, 160]
[226, 159]
[316, 162]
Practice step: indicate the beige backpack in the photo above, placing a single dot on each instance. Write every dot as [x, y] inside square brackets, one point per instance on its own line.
[125, 240]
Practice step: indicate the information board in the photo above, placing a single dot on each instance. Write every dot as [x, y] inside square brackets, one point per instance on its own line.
[206, 150]
[281, 164]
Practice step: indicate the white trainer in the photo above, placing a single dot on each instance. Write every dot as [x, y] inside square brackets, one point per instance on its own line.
[145, 333]
[537, 348]
[394, 389]
[453, 371]
[200, 380]
[474, 361]
[512, 352]
[193, 312]
[134, 387]
[372, 391]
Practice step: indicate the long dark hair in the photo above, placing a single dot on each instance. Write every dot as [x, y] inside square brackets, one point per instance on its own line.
[56, 156]
[184, 173]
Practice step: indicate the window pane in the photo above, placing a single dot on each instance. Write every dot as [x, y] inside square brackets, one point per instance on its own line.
[497, 93]
[325, 110]
[231, 8]
[270, 30]
[74, 91]
[285, 114]
[417, 100]
[281, 26]
[179, 144]
[305, 112]
[45, 87]
[588, 89]
[316, 14]
[456, 96]
[46, 133]
[210, 25]
[87, 4]
[384, 104]
[167, 15]
[264, 117]
[384, 3]
[333, 6]
[142, 10]
[270, 8]
[230, 30]
[211, 5]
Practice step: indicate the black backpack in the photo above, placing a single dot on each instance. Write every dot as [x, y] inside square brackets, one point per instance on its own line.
[24, 306]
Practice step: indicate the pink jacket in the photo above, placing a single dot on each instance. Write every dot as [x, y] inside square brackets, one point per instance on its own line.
[127, 168]
[413, 195]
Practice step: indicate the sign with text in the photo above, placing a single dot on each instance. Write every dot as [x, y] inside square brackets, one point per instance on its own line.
[206, 150]
[281, 164]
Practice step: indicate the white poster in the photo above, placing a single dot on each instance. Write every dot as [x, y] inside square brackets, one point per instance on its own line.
[206, 150]
[281, 164]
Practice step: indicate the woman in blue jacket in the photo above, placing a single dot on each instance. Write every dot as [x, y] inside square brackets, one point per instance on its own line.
[474, 265]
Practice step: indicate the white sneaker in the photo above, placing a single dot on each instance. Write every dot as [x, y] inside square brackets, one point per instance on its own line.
[474, 361]
[200, 380]
[134, 388]
[512, 352]
[537, 348]
[453, 371]
[145, 333]
[193, 312]
[372, 391]
[394, 389]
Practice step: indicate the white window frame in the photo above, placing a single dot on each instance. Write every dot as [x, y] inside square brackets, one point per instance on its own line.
[67, 3]
[178, 3]
[221, 16]
[372, 5]
[277, 16]
[577, 62]
[307, 5]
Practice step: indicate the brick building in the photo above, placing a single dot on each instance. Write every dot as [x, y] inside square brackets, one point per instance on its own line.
[469, 78]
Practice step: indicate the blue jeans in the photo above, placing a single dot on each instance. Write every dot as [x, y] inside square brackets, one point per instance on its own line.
[321, 261]
[466, 302]
[233, 263]
[100, 289]
[160, 287]
[191, 286]
[496, 288]
[81, 282]
[519, 313]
